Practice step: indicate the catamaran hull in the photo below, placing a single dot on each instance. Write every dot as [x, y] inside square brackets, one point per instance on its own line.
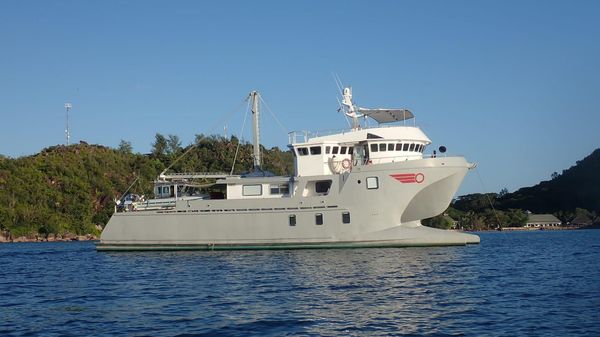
[350, 215]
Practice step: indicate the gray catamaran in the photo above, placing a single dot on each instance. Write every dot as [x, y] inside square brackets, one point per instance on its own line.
[363, 187]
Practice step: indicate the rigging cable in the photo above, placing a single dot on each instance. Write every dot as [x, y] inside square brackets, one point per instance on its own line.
[240, 139]
[489, 199]
[196, 142]
[283, 128]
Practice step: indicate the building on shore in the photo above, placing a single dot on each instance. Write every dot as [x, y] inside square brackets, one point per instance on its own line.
[541, 220]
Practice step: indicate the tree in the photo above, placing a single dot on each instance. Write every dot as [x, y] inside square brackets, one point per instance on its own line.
[503, 192]
[125, 147]
[160, 145]
[173, 144]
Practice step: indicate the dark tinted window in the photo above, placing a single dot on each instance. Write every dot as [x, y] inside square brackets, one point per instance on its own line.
[319, 218]
[322, 186]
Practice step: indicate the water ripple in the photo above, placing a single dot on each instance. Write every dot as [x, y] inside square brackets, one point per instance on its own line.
[533, 283]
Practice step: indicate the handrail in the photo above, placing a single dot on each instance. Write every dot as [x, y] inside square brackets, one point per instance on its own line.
[305, 136]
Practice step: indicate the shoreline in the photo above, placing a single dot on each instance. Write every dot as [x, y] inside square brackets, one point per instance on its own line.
[59, 238]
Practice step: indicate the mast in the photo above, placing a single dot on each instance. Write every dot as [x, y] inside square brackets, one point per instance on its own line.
[256, 130]
[351, 112]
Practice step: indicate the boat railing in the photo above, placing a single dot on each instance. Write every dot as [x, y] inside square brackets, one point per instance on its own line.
[303, 136]
[196, 175]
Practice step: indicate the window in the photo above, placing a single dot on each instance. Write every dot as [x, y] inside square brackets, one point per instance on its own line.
[315, 150]
[345, 217]
[343, 150]
[335, 150]
[250, 190]
[405, 147]
[280, 189]
[374, 148]
[292, 219]
[302, 151]
[322, 186]
[412, 147]
[382, 147]
[372, 183]
[319, 218]
[391, 147]
[327, 149]
[399, 147]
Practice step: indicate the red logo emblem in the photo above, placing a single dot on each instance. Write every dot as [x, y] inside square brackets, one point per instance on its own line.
[409, 178]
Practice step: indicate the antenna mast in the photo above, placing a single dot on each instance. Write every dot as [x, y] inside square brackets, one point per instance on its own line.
[350, 109]
[255, 124]
[68, 106]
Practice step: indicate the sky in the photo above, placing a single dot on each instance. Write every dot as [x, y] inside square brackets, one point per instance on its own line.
[513, 86]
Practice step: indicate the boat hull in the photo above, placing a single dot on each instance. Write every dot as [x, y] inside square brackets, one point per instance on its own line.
[386, 216]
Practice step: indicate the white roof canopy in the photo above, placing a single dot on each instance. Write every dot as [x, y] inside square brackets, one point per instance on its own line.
[387, 115]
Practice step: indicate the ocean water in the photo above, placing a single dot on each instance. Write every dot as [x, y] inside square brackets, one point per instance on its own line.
[543, 283]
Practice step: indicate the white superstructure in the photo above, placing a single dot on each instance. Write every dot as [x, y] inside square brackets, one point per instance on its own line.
[364, 187]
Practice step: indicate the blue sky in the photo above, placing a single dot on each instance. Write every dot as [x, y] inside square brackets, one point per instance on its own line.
[512, 85]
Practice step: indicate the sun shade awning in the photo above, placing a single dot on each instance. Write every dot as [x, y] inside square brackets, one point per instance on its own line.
[387, 115]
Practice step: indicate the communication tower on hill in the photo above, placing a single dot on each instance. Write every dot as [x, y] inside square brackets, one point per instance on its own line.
[68, 107]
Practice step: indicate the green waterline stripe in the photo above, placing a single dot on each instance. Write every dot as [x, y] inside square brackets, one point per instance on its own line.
[283, 246]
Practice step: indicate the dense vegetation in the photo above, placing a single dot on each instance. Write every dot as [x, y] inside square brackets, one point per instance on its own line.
[571, 195]
[71, 189]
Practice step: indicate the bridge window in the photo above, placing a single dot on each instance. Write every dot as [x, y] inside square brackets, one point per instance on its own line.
[374, 148]
[302, 151]
[343, 150]
[315, 150]
[345, 217]
[405, 147]
[251, 190]
[319, 218]
[391, 147]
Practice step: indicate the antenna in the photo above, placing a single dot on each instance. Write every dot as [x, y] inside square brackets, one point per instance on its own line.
[68, 107]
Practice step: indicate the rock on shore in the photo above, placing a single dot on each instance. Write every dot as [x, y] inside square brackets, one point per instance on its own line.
[5, 237]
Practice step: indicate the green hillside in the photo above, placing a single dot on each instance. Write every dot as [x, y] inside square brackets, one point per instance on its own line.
[576, 187]
[71, 189]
